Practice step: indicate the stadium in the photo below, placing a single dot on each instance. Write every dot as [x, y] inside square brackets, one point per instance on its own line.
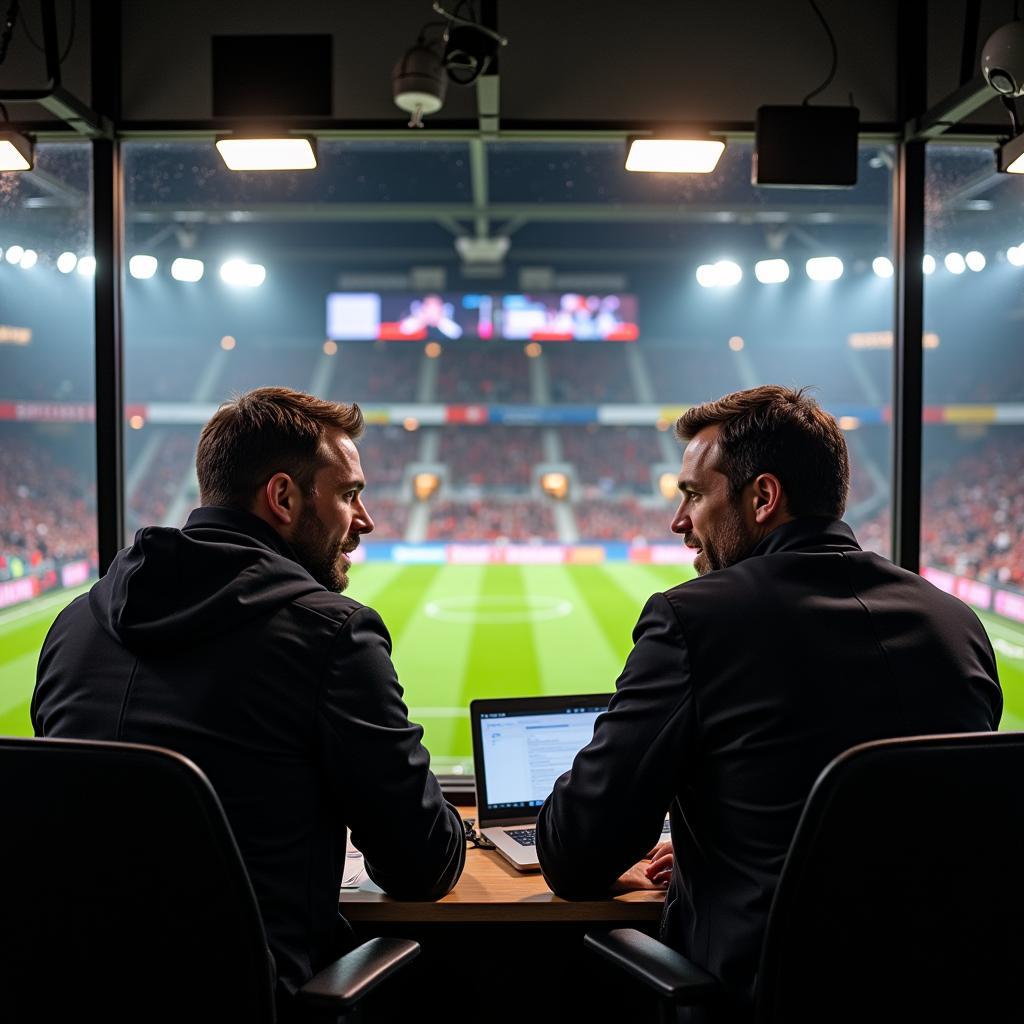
[521, 320]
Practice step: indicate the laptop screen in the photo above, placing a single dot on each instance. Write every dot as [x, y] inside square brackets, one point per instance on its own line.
[524, 748]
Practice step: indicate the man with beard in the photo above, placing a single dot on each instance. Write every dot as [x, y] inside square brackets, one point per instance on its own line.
[791, 646]
[228, 641]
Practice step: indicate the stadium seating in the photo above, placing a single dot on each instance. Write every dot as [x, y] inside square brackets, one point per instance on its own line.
[470, 373]
[490, 521]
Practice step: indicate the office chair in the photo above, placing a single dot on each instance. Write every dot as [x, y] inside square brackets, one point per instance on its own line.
[124, 897]
[900, 898]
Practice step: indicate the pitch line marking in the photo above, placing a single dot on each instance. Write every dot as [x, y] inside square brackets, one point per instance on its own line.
[39, 604]
[497, 609]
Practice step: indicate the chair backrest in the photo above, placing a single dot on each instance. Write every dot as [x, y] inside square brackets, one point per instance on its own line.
[900, 898]
[124, 896]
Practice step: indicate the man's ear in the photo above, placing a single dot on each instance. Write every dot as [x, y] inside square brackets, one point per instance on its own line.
[769, 498]
[282, 499]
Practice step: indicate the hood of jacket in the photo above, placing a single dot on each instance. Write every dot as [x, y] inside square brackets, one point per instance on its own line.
[184, 586]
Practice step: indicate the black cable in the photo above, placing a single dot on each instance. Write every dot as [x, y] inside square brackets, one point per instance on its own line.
[835, 55]
[71, 34]
[1011, 108]
[10, 20]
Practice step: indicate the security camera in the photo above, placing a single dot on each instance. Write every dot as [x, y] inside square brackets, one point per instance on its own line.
[1002, 59]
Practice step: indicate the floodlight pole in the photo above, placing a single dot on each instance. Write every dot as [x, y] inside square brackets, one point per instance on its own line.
[108, 228]
[908, 362]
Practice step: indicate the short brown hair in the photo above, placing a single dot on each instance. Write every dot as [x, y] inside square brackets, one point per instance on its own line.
[778, 430]
[263, 432]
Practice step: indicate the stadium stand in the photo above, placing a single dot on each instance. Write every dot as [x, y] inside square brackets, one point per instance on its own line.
[489, 521]
[625, 520]
[588, 374]
[470, 373]
[47, 507]
[149, 502]
[264, 367]
[376, 372]
[491, 456]
[384, 452]
[613, 460]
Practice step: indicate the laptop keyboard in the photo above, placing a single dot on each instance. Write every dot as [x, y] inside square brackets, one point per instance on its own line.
[523, 836]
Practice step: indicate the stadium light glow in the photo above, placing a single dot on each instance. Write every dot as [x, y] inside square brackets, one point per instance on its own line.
[330, 348]
[29, 258]
[242, 274]
[674, 156]
[928, 264]
[1015, 255]
[142, 267]
[66, 262]
[290, 153]
[975, 261]
[87, 266]
[736, 343]
[14, 254]
[955, 263]
[771, 271]
[882, 266]
[723, 274]
[183, 269]
[16, 152]
[824, 268]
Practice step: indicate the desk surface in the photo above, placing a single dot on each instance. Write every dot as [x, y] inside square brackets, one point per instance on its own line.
[491, 890]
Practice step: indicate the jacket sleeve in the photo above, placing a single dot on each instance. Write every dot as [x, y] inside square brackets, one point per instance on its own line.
[411, 838]
[606, 813]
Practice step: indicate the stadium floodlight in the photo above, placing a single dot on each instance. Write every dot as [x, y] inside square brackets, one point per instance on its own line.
[771, 271]
[824, 268]
[87, 266]
[975, 261]
[183, 269]
[673, 156]
[1015, 255]
[66, 262]
[29, 258]
[14, 254]
[241, 273]
[955, 263]
[928, 264]
[16, 152]
[882, 266]
[287, 153]
[142, 267]
[707, 275]
[727, 273]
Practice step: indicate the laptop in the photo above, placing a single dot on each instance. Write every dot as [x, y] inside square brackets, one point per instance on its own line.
[521, 745]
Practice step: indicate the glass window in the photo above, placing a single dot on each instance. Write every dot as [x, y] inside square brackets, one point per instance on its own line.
[522, 323]
[972, 529]
[47, 454]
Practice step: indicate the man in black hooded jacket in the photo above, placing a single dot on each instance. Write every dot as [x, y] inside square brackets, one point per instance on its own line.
[229, 642]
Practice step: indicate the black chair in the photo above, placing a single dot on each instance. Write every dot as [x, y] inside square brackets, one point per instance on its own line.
[900, 898]
[124, 897]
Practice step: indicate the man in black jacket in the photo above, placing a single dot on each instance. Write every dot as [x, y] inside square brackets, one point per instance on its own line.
[791, 646]
[229, 642]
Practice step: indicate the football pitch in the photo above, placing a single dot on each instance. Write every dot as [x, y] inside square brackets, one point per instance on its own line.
[461, 632]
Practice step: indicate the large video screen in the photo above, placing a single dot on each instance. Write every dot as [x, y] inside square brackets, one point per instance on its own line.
[444, 316]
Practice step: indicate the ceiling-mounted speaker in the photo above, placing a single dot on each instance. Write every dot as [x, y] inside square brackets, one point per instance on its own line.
[805, 147]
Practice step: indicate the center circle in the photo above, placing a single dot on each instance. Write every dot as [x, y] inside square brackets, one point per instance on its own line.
[498, 609]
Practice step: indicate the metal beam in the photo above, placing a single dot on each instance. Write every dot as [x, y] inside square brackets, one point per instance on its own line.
[908, 351]
[108, 224]
[949, 112]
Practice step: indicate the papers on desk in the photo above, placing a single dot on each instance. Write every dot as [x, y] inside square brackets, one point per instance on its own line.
[354, 871]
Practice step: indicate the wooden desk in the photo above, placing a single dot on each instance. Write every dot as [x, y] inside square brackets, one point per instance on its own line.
[492, 891]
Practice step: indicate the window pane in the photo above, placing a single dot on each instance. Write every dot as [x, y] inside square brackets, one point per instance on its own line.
[522, 323]
[972, 530]
[47, 454]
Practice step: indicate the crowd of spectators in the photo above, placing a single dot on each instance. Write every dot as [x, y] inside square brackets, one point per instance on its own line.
[492, 456]
[376, 371]
[487, 522]
[614, 460]
[497, 372]
[390, 517]
[250, 367]
[47, 508]
[589, 373]
[626, 520]
[151, 498]
[384, 452]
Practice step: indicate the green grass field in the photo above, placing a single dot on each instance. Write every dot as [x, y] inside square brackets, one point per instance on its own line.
[476, 631]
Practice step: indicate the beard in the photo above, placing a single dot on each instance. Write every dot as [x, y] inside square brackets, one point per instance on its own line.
[726, 544]
[317, 553]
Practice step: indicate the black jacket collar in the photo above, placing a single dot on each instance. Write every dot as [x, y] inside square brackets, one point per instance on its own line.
[220, 517]
[808, 533]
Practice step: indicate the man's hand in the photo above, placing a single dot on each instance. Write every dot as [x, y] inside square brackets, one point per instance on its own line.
[653, 872]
